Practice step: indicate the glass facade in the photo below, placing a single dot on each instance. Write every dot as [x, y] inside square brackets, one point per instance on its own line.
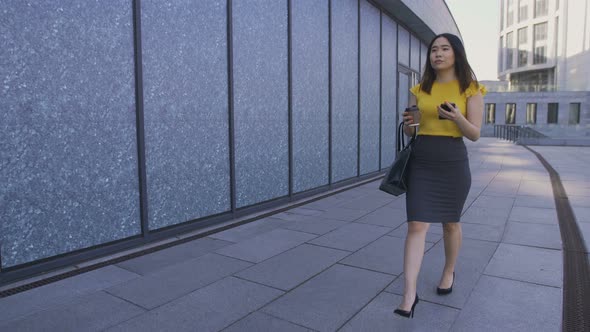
[221, 111]
[552, 113]
[531, 113]
[540, 43]
[510, 113]
[509, 50]
[574, 116]
[490, 116]
[541, 8]
[523, 10]
[522, 47]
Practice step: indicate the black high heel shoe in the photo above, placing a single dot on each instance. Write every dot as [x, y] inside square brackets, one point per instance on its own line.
[410, 313]
[445, 291]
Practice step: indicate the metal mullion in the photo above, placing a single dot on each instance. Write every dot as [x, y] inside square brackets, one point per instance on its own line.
[330, 92]
[230, 96]
[380, 84]
[290, 93]
[358, 150]
[141, 160]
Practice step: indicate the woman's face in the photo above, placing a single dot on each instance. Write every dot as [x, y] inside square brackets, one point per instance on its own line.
[441, 54]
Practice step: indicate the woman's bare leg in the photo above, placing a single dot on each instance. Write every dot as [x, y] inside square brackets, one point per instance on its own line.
[452, 236]
[413, 254]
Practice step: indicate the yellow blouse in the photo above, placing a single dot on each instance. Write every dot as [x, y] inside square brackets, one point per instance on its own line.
[441, 92]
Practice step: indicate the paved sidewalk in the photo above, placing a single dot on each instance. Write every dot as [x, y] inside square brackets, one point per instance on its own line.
[336, 265]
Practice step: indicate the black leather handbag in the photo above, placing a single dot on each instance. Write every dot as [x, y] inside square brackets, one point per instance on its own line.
[395, 181]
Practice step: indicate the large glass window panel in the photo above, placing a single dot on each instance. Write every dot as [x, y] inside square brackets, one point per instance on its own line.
[523, 10]
[186, 110]
[509, 50]
[370, 88]
[344, 90]
[260, 100]
[510, 12]
[552, 113]
[541, 8]
[522, 47]
[403, 49]
[415, 53]
[490, 113]
[68, 162]
[310, 94]
[501, 55]
[388, 90]
[531, 113]
[510, 113]
[574, 117]
[540, 43]
[404, 93]
[423, 57]
[502, 15]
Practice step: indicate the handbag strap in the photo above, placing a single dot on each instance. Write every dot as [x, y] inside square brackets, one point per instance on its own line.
[401, 137]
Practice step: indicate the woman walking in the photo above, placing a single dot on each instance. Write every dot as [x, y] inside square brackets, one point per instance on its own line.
[450, 101]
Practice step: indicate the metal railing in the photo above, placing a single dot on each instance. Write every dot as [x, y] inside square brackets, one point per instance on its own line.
[514, 132]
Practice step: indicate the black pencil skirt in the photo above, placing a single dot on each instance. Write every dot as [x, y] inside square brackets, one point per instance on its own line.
[439, 179]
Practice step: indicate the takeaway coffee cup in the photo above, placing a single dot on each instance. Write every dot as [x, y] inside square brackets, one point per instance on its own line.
[415, 113]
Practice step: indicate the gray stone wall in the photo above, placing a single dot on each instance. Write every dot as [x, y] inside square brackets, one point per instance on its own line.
[542, 99]
[69, 164]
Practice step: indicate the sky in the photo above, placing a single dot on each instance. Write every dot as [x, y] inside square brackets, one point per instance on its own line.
[479, 23]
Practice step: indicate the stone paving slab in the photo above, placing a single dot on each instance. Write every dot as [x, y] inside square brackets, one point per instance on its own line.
[322, 305]
[266, 245]
[507, 305]
[486, 216]
[61, 292]
[173, 255]
[385, 255]
[313, 225]
[529, 187]
[493, 202]
[385, 216]
[582, 213]
[177, 280]
[482, 232]
[211, 308]
[351, 237]
[473, 259]
[529, 264]
[505, 188]
[378, 316]
[93, 312]
[537, 235]
[291, 268]
[534, 215]
[579, 201]
[546, 201]
[434, 234]
[398, 203]
[368, 202]
[345, 213]
[261, 322]
[249, 230]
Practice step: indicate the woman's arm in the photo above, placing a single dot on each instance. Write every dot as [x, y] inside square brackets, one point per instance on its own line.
[408, 120]
[470, 126]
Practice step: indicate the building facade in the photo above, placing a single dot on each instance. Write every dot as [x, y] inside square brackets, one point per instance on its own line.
[544, 45]
[127, 122]
[543, 67]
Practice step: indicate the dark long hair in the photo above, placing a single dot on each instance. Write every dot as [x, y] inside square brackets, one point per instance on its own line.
[463, 70]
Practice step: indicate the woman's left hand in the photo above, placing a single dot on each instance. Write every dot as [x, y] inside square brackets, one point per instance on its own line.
[453, 115]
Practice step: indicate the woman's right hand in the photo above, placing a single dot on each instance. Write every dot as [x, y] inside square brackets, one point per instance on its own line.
[408, 118]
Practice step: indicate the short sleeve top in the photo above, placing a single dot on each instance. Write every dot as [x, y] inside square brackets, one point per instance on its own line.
[441, 92]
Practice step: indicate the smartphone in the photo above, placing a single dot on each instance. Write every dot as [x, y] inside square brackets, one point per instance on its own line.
[446, 108]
